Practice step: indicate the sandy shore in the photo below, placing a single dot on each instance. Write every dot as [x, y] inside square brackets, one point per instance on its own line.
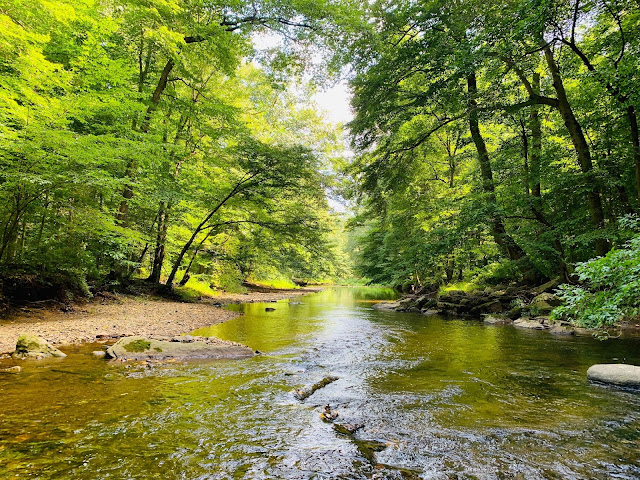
[125, 315]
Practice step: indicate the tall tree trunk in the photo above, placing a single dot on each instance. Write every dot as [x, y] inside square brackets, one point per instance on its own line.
[161, 238]
[502, 239]
[581, 146]
[127, 193]
[635, 142]
[536, 142]
[535, 157]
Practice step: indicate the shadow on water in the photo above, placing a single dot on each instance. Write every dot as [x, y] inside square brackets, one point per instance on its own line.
[438, 399]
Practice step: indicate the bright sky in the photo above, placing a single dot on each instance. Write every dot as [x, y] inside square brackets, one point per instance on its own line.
[336, 102]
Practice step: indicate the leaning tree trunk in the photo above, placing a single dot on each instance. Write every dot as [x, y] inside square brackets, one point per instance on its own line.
[502, 239]
[581, 147]
[127, 192]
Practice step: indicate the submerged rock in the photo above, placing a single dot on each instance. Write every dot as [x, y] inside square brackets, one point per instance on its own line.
[140, 348]
[369, 448]
[562, 330]
[497, 320]
[14, 369]
[619, 374]
[32, 346]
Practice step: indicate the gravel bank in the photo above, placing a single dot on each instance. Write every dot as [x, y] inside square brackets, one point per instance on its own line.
[126, 316]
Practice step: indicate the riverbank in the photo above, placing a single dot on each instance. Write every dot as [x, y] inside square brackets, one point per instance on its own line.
[125, 315]
[522, 307]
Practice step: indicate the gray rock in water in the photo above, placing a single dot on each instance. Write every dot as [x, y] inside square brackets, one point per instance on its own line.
[497, 320]
[98, 353]
[140, 348]
[32, 346]
[618, 374]
[562, 330]
[386, 305]
[533, 324]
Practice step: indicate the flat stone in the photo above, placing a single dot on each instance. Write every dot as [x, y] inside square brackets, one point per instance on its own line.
[619, 374]
[141, 348]
[98, 353]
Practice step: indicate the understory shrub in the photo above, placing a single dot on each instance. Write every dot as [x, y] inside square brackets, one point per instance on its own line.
[609, 289]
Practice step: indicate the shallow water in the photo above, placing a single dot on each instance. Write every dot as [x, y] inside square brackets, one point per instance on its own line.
[449, 398]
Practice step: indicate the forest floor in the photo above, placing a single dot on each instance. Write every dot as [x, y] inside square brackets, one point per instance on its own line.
[124, 315]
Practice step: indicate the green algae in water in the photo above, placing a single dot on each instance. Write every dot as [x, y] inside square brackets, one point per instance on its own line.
[138, 346]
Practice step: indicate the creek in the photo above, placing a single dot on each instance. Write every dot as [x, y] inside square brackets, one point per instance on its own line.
[448, 398]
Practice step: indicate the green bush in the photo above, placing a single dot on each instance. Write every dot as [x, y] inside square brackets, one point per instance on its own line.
[609, 289]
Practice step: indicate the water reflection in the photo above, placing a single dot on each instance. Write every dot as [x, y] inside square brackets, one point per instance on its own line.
[450, 398]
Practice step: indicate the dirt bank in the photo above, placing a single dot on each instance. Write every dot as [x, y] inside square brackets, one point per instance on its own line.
[126, 315]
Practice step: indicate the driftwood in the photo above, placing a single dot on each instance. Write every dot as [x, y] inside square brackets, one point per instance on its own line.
[305, 392]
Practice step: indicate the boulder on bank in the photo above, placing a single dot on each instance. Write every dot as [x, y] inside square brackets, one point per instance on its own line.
[548, 298]
[618, 374]
[32, 346]
[141, 348]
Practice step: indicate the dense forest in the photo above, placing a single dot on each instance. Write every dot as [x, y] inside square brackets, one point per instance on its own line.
[492, 143]
[498, 142]
[152, 140]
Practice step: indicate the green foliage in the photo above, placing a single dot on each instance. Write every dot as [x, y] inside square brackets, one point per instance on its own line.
[608, 290]
[195, 289]
[122, 127]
